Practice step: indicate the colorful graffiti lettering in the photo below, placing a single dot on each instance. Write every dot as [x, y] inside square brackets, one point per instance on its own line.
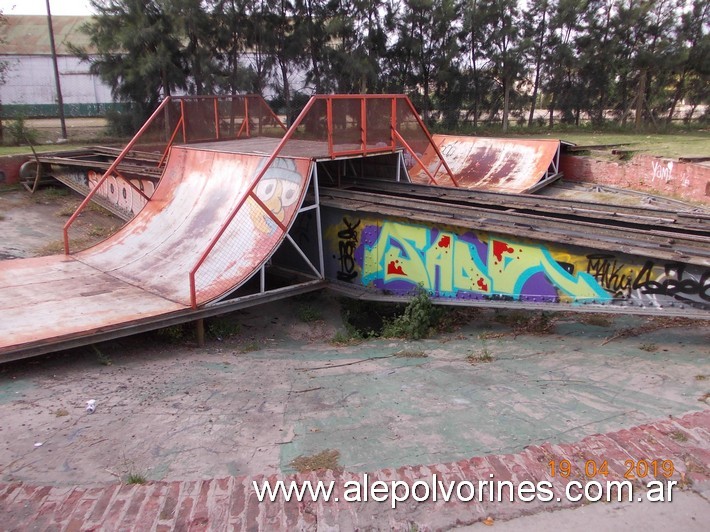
[651, 279]
[346, 246]
[119, 192]
[403, 256]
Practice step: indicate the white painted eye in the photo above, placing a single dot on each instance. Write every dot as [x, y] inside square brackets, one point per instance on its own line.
[266, 188]
[289, 193]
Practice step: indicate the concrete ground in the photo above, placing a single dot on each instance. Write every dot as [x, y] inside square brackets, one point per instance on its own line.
[493, 396]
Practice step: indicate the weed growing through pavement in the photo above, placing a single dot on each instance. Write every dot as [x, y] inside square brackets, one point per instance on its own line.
[222, 328]
[308, 313]
[649, 348]
[136, 478]
[102, 357]
[173, 334]
[327, 459]
[527, 322]
[250, 347]
[410, 353]
[598, 320]
[420, 316]
[678, 436]
[482, 356]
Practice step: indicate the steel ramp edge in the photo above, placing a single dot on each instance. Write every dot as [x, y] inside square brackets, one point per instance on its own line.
[512, 166]
[178, 317]
[203, 197]
[368, 294]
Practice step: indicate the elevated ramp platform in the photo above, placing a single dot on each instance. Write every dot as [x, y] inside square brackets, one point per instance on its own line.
[143, 271]
[513, 166]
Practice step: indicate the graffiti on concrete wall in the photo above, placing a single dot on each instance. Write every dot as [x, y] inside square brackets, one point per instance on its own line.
[399, 257]
[120, 193]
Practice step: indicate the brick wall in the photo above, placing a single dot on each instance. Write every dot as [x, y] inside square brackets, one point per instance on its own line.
[10, 168]
[686, 181]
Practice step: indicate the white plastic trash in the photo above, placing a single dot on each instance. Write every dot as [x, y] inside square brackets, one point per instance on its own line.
[91, 406]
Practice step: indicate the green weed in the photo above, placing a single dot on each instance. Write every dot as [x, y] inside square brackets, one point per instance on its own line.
[481, 356]
[308, 313]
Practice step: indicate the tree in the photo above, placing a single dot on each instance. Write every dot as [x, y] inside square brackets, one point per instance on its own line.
[560, 61]
[691, 71]
[537, 34]
[505, 47]
[4, 65]
[140, 54]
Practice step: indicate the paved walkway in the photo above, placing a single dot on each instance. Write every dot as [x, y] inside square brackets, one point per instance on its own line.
[217, 504]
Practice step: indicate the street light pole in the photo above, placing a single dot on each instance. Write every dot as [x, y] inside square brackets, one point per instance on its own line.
[60, 100]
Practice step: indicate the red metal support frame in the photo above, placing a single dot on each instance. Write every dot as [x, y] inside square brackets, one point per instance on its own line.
[246, 117]
[178, 126]
[416, 158]
[329, 124]
[393, 124]
[363, 125]
[216, 119]
[184, 125]
[431, 141]
[134, 187]
[250, 190]
[109, 171]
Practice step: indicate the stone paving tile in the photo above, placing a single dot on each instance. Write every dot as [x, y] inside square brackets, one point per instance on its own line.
[217, 504]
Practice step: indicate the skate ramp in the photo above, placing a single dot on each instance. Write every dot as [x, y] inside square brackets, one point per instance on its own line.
[206, 199]
[494, 164]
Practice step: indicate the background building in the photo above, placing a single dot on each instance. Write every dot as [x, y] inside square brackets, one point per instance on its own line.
[30, 90]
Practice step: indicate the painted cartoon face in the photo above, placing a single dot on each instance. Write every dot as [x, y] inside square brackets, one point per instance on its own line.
[279, 189]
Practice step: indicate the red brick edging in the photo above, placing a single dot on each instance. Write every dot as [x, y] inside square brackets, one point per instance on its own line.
[219, 504]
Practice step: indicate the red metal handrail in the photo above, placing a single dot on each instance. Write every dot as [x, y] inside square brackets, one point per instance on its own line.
[395, 137]
[248, 194]
[110, 170]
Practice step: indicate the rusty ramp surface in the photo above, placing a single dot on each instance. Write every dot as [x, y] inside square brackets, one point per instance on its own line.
[208, 209]
[495, 164]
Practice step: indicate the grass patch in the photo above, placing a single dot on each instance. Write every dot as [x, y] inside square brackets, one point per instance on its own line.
[598, 320]
[102, 357]
[419, 318]
[222, 328]
[701, 377]
[250, 347]
[478, 357]
[346, 337]
[327, 459]
[136, 478]
[52, 193]
[98, 209]
[66, 211]
[96, 231]
[61, 412]
[527, 322]
[649, 348]
[678, 436]
[173, 334]
[308, 313]
[410, 353]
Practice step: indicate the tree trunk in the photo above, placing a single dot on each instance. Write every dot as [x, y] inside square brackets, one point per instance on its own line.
[640, 99]
[538, 64]
[676, 96]
[506, 104]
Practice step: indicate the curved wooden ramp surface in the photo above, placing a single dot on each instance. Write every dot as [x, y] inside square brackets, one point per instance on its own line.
[493, 164]
[142, 271]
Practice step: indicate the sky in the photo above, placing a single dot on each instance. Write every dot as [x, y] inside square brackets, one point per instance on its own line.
[39, 7]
